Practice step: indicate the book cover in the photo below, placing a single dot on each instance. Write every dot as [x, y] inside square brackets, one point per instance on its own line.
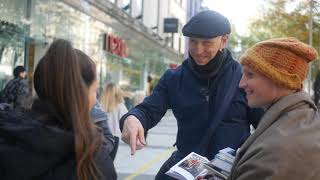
[216, 171]
[229, 152]
[226, 166]
[224, 158]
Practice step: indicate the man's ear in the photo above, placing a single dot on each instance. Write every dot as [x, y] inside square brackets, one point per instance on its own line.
[224, 40]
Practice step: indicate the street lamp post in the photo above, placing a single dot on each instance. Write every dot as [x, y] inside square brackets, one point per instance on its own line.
[310, 43]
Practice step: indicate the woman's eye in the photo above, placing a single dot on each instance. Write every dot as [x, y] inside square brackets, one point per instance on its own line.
[249, 75]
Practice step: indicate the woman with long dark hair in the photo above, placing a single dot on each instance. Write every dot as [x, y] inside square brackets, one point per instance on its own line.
[57, 139]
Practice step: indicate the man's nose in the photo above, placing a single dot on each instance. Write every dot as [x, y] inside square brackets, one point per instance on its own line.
[198, 49]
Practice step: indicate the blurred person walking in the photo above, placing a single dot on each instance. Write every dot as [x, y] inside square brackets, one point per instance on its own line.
[316, 90]
[128, 96]
[16, 92]
[112, 101]
[150, 85]
[56, 139]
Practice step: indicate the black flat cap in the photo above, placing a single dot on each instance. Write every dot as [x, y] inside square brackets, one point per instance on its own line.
[207, 24]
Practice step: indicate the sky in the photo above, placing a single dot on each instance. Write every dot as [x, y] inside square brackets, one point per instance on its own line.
[239, 12]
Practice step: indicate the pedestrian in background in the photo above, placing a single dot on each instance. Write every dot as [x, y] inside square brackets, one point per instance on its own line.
[286, 142]
[204, 96]
[16, 91]
[128, 96]
[316, 90]
[100, 117]
[113, 103]
[150, 85]
[56, 139]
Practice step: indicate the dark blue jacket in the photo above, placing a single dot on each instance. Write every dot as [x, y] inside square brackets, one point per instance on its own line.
[184, 93]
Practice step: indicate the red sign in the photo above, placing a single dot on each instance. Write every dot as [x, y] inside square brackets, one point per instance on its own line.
[115, 45]
[173, 65]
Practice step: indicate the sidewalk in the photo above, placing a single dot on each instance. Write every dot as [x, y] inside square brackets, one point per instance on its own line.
[145, 163]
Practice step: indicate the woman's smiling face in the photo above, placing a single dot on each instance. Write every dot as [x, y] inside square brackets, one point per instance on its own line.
[261, 91]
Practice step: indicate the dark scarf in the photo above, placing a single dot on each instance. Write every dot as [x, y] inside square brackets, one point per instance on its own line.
[209, 70]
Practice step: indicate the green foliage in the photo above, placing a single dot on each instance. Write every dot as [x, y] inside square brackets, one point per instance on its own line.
[276, 20]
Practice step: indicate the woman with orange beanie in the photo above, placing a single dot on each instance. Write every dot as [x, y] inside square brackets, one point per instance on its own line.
[286, 143]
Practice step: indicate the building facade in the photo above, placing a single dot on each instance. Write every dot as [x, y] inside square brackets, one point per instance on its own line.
[114, 33]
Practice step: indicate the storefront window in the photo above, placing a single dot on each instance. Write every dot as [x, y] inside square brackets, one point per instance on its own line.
[54, 19]
[12, 37]
[12, 11]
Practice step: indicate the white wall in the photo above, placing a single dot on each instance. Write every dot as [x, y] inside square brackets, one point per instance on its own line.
[173, 9]
[179, 11]
[150, 13]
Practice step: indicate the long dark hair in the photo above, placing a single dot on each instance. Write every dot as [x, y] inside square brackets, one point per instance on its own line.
[87, 67]
[58, 80]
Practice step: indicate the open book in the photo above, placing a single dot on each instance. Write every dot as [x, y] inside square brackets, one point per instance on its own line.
[195, 165]
[189, 167]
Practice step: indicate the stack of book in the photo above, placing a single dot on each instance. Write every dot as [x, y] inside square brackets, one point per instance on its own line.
[222, 163]
[193, 166]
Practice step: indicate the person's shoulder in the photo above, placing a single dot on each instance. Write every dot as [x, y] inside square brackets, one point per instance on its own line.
[231, 59]
[170, 73]
[176, 71]
[23, 81]
[11, 82]
[232, 63]
[97, 113]
[17, 82]
[22, 117]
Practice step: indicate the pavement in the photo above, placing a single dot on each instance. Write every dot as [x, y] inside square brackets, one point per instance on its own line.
[145, 164]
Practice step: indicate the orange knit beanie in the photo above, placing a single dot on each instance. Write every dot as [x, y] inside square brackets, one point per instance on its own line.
[283, 60]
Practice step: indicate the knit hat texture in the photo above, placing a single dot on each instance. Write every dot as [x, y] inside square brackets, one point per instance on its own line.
[283, 60]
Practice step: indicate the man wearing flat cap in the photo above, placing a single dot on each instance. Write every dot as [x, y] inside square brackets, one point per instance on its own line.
[204, 96]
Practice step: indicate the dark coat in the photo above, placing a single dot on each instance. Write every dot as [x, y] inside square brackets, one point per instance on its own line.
[184, 93]
[34, 147]
[16, 93]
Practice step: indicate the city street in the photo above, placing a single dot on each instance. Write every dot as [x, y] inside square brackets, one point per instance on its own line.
[145, 163]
